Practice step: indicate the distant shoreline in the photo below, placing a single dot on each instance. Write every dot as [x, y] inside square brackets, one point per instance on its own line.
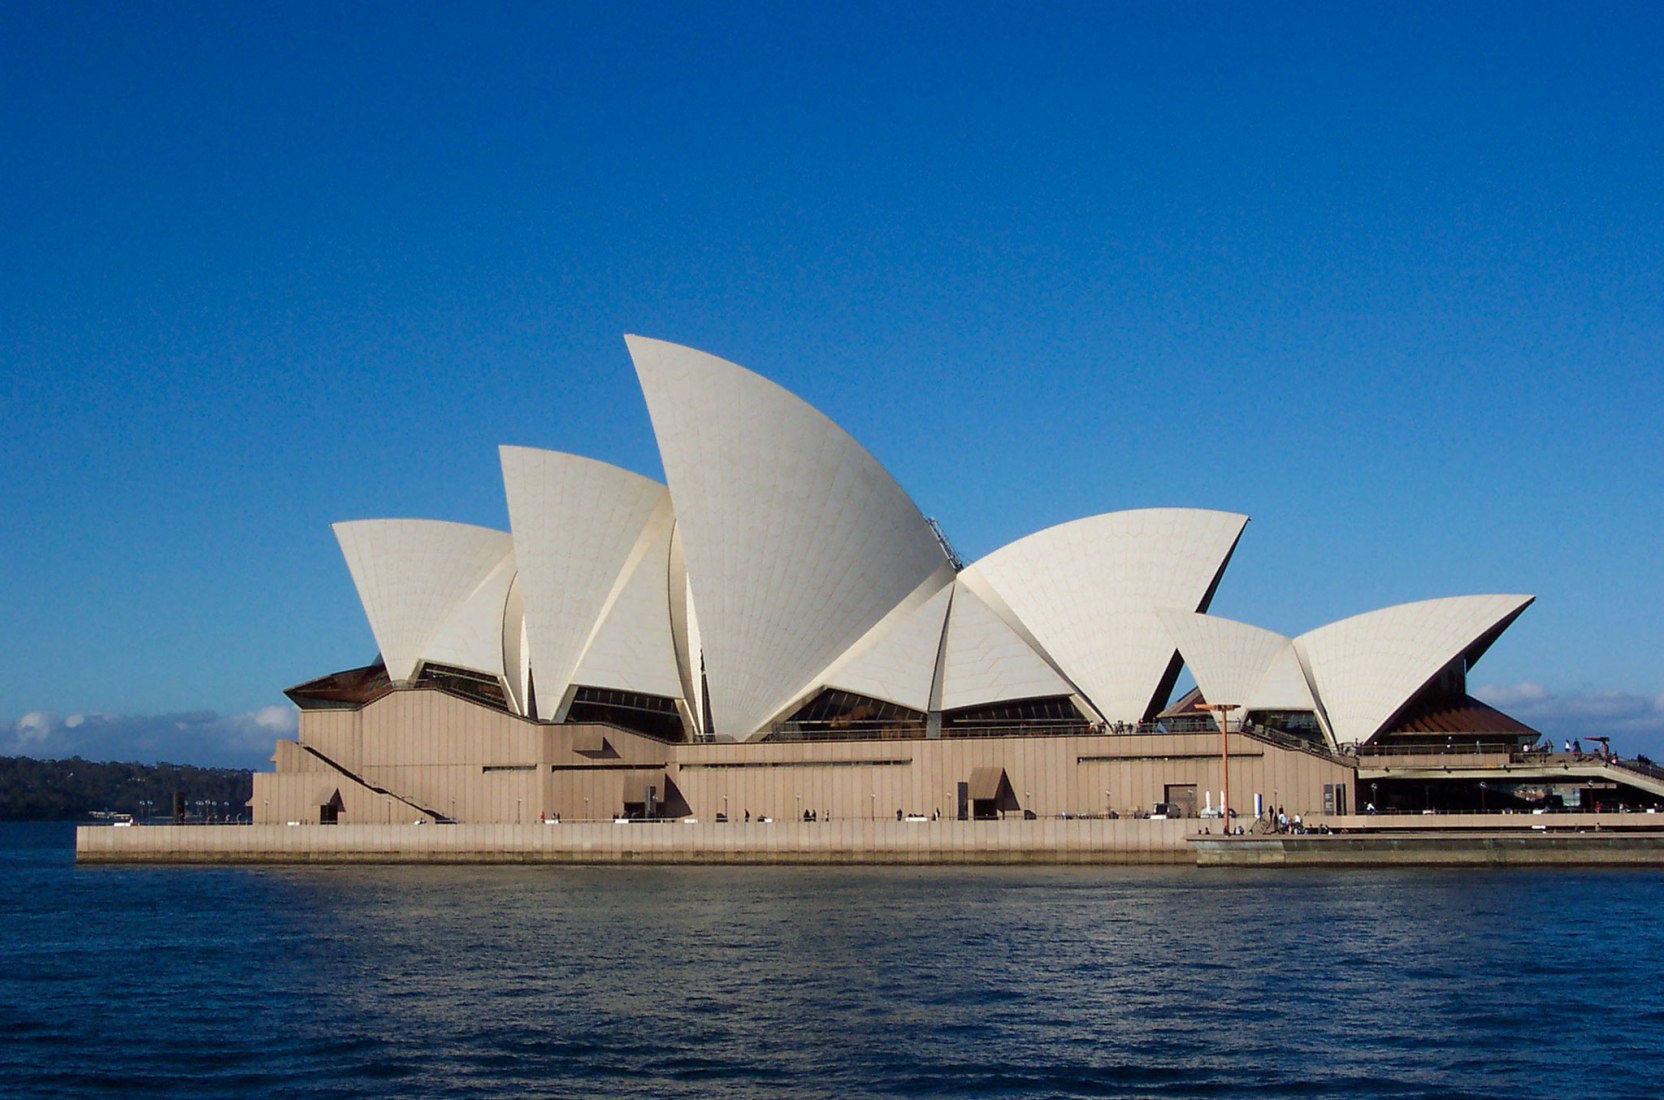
[75, 789]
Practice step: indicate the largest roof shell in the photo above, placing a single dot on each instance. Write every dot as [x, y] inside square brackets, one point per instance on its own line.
[797, 541]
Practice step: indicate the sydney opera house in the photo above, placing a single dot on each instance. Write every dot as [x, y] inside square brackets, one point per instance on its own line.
[779, 632]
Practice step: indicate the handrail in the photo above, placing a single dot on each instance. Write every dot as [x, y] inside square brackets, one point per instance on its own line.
[1646, 768]
[1299, 744]
[1448, 748]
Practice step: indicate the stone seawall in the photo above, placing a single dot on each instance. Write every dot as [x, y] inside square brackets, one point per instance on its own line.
[1469, 847]
[854, 842]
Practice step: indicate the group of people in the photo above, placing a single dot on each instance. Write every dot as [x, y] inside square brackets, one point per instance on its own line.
[1574, 747]
[1286, 824]
[1603, 749]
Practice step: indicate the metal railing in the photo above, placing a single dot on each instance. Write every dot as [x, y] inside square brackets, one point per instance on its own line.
[1283, 740]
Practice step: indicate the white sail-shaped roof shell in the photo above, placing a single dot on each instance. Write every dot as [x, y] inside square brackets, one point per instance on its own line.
[900, 667]
[473, 637]
[576, 523]
[416, 577]
[517, 666]
[1230, 660]
[797, 542]
[1284, 685]
[986, 661]
[633, 650]
[1367, 667]
[1087, 593]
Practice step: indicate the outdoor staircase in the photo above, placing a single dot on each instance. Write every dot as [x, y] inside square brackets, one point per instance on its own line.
[432, 815]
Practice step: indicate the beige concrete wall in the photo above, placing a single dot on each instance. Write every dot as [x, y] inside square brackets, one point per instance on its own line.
[850, 841]
[295, 792]
[478, 765]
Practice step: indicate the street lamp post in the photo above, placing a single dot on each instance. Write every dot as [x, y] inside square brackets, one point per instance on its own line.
[1223, 710]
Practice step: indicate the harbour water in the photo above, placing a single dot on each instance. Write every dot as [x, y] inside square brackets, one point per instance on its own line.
[369, 981]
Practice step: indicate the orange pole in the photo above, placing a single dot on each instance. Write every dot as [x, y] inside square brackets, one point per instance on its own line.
[1225, 774]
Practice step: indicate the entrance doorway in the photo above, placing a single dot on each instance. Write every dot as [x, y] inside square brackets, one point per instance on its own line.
[1181, 799]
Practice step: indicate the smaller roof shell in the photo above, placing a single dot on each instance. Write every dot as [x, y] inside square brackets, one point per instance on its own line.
[1087, 593]
[415, 577]
[986, 661]
[1366, 668]
[576, 523]
[1249, 667]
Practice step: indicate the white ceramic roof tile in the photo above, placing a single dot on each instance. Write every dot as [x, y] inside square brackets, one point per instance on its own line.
[575, 523]
[473, 637]
[1365, 668]
[797, 541]
[1229, 659]
[900, 666]
[516, 661]
[986, 661]
[1087, 591]
[1284, 685]
[414, 575]
[693, 676]
[633, 650]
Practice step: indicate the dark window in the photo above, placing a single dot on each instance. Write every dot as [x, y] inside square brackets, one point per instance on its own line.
[461, 681]
[654, 716]
[1052, 714]
[835, 715]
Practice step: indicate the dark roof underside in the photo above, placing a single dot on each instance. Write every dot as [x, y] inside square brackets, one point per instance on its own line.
[1457, 714]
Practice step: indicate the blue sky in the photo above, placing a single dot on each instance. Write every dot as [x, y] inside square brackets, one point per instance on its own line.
[1388, 278]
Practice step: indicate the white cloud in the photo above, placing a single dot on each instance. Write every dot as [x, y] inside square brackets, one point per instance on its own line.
[205, 737]
[274, 719]
[35, 726]
[1634, 721]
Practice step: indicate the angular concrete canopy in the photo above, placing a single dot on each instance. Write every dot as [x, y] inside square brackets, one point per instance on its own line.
[1367, 667]
[1087, 593]
[576, 523]
[418, 577]
[796, 540]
